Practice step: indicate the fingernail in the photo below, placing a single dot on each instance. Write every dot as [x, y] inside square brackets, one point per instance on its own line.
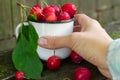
[42, 41]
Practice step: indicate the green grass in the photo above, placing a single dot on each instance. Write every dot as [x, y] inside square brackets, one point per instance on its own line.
[5, 71]
[115, 35]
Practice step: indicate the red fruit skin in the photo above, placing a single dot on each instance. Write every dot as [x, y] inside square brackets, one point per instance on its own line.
[63, 16]
[49, 17]
[57, 9]
[48, 9]
[75, 57]
[19, 75]
[53, 63]
[37, 10]
[82, 73]
[70, 8]
[49, 14]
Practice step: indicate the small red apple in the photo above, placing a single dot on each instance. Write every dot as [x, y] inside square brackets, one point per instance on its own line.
[19, 75]
[57, 9]
[37, 10]
[70, 8]
[49, 14]
[82, 73]
[48, 9]
[75, 57]
[63, 16]
[49, 17]
[53, 63]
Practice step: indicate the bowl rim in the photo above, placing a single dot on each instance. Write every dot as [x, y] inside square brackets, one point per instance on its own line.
[62, 21]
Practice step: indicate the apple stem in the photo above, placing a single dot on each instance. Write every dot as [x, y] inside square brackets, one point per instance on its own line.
[60, 7]
[21, 14]
[54, 52]
[22, 5]
[23, 10]
[45, 3]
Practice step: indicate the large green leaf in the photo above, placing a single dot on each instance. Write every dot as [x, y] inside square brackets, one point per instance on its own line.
[26, 59]
[31, 34]
[25, 31]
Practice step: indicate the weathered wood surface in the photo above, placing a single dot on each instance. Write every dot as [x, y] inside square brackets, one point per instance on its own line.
[66, 71]
[5, 19]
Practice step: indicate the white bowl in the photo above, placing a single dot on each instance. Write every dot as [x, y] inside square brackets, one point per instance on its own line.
[52, 29]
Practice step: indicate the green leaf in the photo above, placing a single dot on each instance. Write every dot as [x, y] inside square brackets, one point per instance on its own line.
[26, 59]
[31, 34]
[32, 17]
[25, 31]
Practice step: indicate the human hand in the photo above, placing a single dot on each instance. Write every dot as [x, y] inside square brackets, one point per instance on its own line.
[90, 41]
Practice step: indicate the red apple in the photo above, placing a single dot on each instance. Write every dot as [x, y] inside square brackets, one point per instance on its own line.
[53, 63]
[70, 8]
[82, 73]
[37, 10]
[63, 16]
[49, 14]
[75, 57]
[57, 9]
[49, 17]
[19, 75]
[48, 9]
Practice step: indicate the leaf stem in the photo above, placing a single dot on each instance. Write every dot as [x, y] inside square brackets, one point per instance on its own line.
[54, 52]
[23, 11]
[45, 3]
[22, 5]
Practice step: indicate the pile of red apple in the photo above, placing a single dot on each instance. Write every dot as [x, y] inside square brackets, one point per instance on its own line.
[53, 13]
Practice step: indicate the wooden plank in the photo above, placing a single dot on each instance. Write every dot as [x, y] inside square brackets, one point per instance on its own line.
[87, 7]
[5, 19]
[103, 4]
[67, 1]
[106, 16]
[116, 2]
[15, 14]
[49, 2]
[7, 44]
[117, 13]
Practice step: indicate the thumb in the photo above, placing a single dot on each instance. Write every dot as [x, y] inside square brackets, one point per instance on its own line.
[54, 42]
